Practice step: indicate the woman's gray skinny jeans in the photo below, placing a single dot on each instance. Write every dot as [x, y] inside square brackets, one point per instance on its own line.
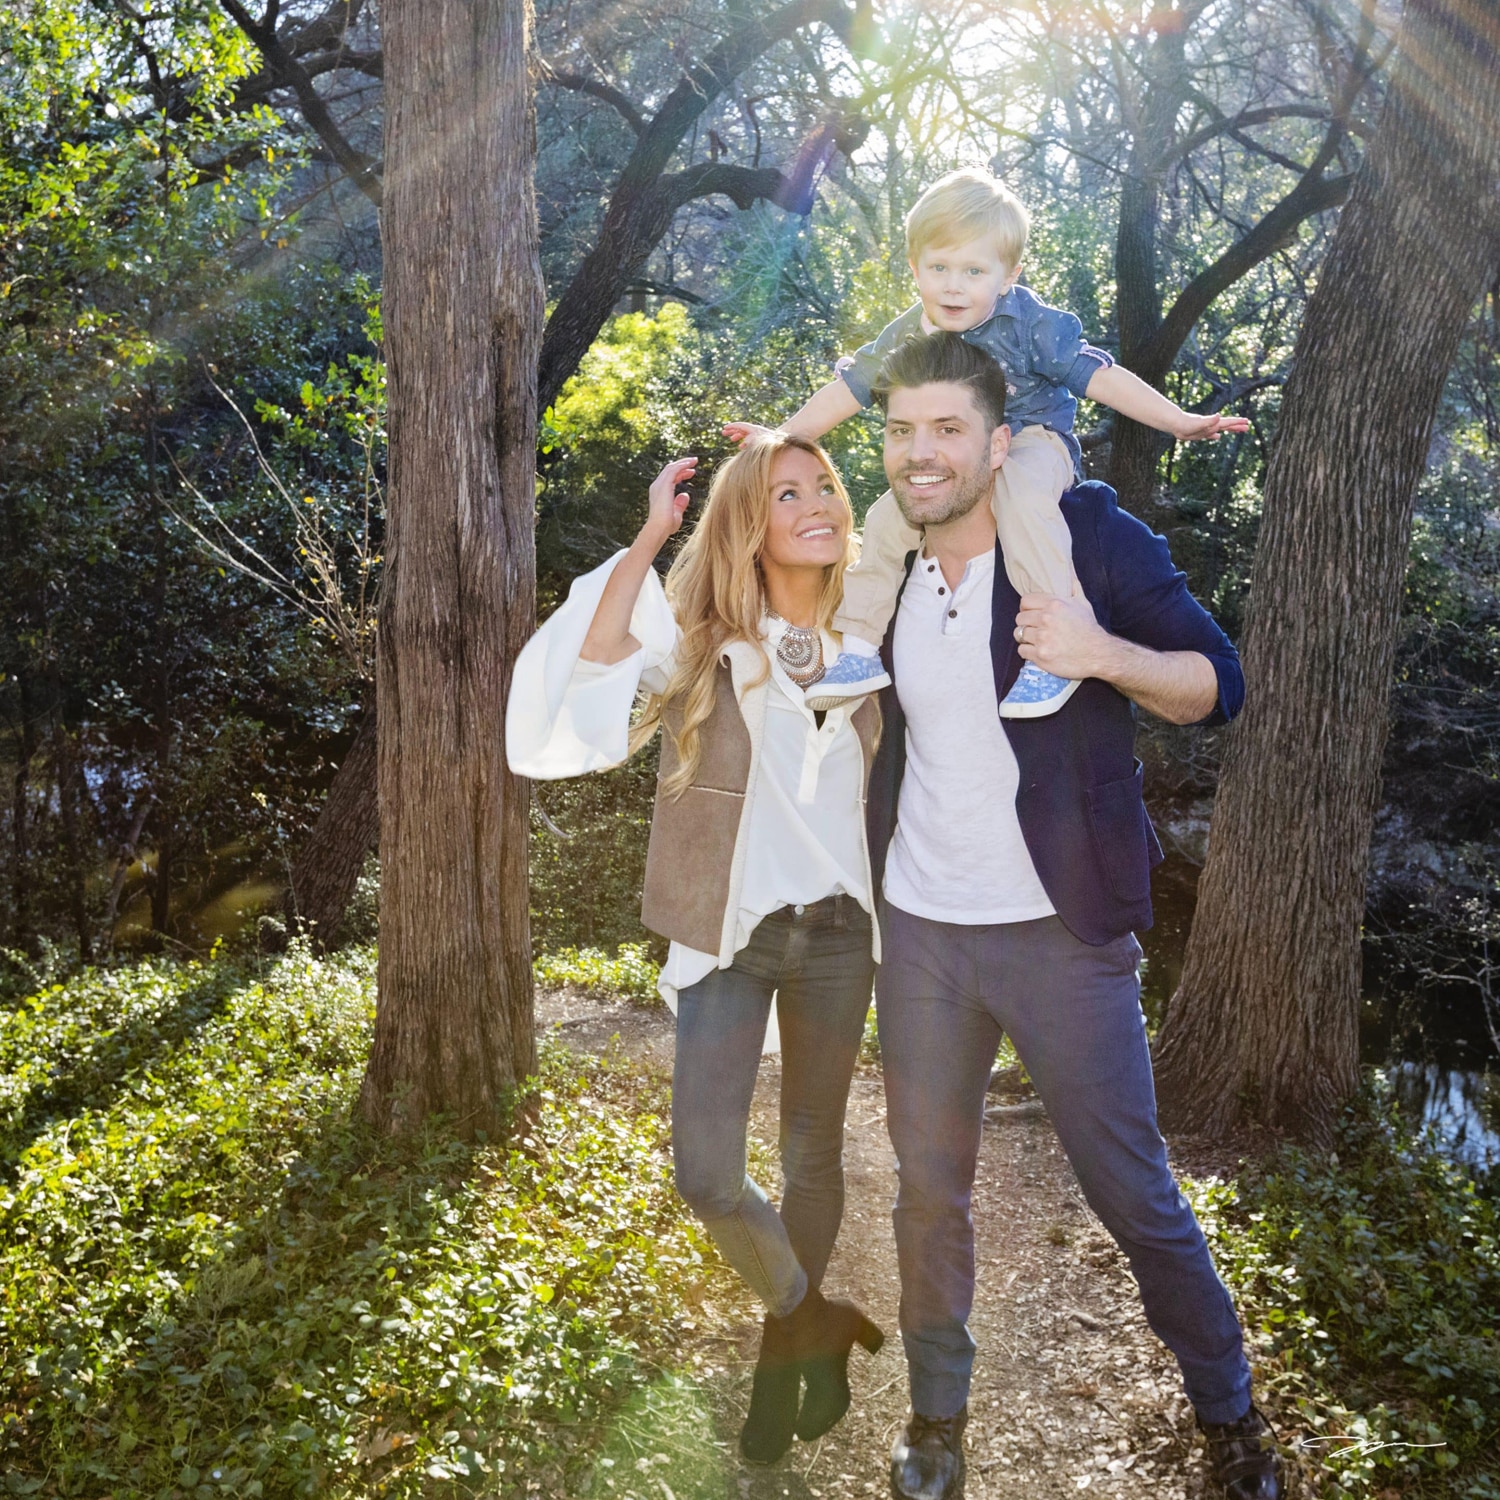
[817, 964]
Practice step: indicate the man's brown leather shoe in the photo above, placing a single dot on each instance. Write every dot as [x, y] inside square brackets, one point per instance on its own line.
[927, 1459]
[1244, 1458]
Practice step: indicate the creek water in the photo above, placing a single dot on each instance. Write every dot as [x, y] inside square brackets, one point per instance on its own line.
[1437, 1050]
[1434, 1044]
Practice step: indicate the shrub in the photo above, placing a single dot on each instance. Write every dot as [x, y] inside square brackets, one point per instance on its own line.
[631, 973]
[586, 885]
[214, 1281]
[1371, 1278]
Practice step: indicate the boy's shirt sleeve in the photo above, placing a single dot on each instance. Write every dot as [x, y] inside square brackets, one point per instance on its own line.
[1059, 353]
[859, 370]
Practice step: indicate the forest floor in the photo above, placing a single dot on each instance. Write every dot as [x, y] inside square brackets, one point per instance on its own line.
[1072, 1393]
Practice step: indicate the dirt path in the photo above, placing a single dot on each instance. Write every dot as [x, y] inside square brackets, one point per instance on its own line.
[1072, 1393]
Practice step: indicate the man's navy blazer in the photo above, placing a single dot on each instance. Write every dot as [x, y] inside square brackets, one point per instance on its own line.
[1079, 798]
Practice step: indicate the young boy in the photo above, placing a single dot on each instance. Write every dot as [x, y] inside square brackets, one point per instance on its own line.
[965, 238]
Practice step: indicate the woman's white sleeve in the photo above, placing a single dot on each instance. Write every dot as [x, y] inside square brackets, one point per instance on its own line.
[567, 716]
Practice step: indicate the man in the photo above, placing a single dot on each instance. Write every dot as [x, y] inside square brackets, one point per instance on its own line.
[1016, 858]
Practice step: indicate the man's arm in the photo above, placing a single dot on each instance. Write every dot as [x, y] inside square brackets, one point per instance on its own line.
[1144, 596]
[1062, 637]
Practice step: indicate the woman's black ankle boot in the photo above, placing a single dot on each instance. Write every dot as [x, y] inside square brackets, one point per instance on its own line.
[772, 1418]
[824, 1332]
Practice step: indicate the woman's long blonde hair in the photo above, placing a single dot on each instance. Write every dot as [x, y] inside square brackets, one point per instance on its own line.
[717, 592]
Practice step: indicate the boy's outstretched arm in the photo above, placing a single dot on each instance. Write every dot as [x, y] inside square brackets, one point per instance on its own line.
[822, 412]
[1130, 396]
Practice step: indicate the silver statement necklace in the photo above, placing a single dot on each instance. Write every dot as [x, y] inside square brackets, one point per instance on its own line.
[800, 652]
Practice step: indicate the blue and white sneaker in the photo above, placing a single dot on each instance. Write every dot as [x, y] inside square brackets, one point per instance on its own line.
[1036, 693]
[848, 678]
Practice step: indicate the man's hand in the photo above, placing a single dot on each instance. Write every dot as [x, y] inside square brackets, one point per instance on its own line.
[1191, 426]
[1061, 636]
[744, 432]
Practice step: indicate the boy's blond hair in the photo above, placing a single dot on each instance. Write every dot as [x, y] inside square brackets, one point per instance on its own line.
[966, 205]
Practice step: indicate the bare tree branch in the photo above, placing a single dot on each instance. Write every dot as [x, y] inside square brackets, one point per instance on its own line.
[641, 205]
[1313, 195]
[598, 89]
[1223, 124]
[362, 170]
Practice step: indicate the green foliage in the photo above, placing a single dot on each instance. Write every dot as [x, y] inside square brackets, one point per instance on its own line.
[636, 401]
[1371, 1281]
[66, 1047]
[630, 972]
[213, 1281]
[663, 1441]
[588, 858]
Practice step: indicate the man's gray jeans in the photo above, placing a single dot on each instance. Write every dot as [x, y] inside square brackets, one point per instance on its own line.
[944, 995]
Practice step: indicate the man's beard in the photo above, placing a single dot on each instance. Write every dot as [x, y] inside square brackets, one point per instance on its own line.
[968, 490]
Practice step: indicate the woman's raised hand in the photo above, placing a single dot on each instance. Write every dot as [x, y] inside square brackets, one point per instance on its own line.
[667, 505]
[609, 639]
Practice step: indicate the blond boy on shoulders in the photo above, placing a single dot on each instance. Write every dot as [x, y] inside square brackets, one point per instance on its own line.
[965, 239]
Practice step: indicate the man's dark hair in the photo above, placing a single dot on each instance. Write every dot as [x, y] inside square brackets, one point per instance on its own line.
[944, 359]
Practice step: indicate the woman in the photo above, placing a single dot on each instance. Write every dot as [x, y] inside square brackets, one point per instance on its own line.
[757, 868]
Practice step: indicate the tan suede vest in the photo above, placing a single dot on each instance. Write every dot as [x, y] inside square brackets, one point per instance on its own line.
[690, 860]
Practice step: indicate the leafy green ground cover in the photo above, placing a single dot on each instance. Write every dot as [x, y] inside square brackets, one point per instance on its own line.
[1371, 1279]
[212, 1282]
[631, 972]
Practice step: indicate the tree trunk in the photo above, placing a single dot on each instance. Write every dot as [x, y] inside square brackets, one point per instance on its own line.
[123, 862]
[1135, 452]
[1264, 1023]
[1135, 449]
[347, 829]
[463, 316]
[23, 935]
[161, 886]
[66, 770]
[164, 823]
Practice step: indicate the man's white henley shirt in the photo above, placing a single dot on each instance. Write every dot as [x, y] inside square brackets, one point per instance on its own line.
[957, 854]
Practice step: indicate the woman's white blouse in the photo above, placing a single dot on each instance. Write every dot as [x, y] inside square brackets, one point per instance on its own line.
[804, 839]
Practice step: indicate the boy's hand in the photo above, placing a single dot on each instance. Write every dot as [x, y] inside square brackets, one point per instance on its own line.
[1191, 426]
[743, 432]
[667, 505]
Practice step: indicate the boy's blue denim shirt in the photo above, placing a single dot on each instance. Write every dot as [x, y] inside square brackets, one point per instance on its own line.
[1040, 348]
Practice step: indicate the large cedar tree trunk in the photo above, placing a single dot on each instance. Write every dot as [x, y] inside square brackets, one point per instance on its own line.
[463, 318]
[1264, 1022]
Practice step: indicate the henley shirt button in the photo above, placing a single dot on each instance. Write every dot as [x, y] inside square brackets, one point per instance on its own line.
[931, 566]
[942, 591]
[952, 614]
